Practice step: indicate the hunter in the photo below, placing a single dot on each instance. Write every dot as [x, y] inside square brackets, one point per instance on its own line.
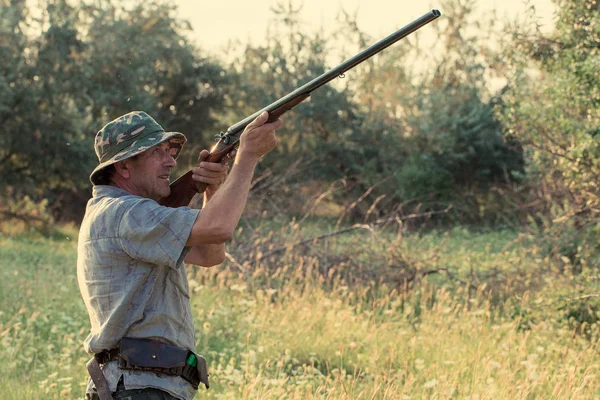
[132, 252]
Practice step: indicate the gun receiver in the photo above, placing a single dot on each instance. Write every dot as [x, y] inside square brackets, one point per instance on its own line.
[184, 188]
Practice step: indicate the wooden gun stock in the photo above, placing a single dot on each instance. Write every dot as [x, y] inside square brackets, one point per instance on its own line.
[183, 191]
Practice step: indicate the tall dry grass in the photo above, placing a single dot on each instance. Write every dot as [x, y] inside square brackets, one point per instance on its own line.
[298, 314]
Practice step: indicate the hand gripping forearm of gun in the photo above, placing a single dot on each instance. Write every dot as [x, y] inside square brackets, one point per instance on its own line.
[184, 188]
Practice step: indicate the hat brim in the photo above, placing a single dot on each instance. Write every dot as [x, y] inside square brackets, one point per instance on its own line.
[136, 148]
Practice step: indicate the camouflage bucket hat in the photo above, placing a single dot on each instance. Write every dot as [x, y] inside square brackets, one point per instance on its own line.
[128, 135]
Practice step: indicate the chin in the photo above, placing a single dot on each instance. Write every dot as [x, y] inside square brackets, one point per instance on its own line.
[165, 192]
[164, 189]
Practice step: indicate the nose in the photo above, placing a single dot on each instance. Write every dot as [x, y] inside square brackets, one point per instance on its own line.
[170, 161]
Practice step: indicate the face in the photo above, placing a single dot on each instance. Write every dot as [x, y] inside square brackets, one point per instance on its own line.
[149, 172]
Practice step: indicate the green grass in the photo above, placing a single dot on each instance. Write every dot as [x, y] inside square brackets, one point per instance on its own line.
[315, 322]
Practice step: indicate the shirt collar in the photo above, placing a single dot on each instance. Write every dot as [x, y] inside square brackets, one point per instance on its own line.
[109, 191]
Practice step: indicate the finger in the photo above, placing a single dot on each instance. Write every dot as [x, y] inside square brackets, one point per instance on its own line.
[260, 120]
[210, 166]
[278, 123]
[203, 156]
[208, 180]
[203, 172]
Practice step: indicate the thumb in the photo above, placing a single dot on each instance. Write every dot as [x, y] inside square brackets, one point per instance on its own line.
[203, 156]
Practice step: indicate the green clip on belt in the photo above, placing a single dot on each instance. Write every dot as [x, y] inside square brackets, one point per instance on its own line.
[192, 360]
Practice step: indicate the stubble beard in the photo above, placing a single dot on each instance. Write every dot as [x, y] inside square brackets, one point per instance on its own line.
[154, 188]
[161, 191]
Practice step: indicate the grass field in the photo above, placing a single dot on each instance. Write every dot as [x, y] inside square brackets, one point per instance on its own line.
[359, 315]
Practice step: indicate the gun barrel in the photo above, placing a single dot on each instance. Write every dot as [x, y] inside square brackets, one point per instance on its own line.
[340, 69]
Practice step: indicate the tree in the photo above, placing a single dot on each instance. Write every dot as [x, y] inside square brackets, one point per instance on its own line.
[433, 129]
[140, 59]
[556, 114]
[40, 129]
[87, 65]
[288, 59]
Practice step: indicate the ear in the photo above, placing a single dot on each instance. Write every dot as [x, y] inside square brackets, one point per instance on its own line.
[122, 169]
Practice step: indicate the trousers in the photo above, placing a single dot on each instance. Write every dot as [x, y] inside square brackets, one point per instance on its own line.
[135, 394]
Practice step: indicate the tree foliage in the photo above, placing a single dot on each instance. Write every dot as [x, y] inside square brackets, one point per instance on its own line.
[556, 113]
[74, 68]
[288, 59]
[430, 134]
[433, 129]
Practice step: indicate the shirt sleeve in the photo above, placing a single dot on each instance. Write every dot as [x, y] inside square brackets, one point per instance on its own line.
[155, 234]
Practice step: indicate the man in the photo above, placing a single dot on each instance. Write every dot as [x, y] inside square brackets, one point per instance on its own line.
[131, 252]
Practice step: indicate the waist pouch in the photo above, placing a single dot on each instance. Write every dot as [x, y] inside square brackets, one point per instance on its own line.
[154, 356]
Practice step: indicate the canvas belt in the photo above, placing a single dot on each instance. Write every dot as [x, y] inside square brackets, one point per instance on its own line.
[149, 355]
[107, 356]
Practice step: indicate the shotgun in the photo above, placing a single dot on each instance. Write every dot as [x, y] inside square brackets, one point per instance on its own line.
[184, 188]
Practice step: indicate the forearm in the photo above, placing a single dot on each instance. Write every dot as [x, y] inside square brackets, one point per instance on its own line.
[206, 255]
[206, 198]
[218, 219]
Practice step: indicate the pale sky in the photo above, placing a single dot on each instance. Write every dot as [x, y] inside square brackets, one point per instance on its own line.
[216, 22]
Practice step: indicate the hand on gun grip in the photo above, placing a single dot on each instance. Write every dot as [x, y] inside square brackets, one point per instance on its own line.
[213, 174]
[259, 136]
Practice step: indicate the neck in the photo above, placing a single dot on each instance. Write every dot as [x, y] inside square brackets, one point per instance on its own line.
[129, 187]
